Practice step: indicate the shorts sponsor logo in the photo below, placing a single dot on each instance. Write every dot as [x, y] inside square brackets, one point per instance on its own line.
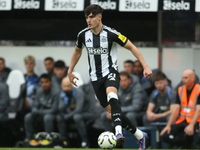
[170, 5]
[26, 4]
[64, 5]
[109, 4]
[122, 38]
[138, 5]
[97, 51]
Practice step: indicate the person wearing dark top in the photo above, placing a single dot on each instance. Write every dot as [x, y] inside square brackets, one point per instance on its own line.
[31, 80]
[161, 101]
[49, 65]
[44, 109]
[4, 71]
[4, 101]
[187, 106]
[60, 71]
[74, 107]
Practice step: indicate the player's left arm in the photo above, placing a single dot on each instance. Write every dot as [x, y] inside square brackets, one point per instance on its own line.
[147, 72]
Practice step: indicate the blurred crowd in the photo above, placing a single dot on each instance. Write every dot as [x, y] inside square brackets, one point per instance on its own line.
[50, 106]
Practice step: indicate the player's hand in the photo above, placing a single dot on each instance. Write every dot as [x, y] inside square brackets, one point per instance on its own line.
[189, 129]
[73, 78]
[166, 129]
[147, 73]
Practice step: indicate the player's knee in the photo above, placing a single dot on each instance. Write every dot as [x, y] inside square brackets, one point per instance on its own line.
[111, 95]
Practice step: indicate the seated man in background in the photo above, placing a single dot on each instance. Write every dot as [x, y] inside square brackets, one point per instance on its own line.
[4, 72]
[49, 65]
[187, 105]
[43, 111]
[4, 101]
[161, 101]
[73, 107]
[138, 70]
[132, 99]
[31, 80]
[60, 71]
[128, 67]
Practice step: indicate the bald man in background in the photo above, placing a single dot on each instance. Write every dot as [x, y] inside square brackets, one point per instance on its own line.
[73, 107]
[187, 106]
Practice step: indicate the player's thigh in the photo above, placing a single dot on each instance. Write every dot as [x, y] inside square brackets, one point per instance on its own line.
[100, 92]
[112, 80]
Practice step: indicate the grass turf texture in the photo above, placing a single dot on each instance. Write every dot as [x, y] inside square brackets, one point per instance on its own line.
[67, 149]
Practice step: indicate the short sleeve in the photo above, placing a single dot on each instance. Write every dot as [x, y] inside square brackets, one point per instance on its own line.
[173, 97]
[118, 37]
[177, 101]
[79, 41]
[151, 99]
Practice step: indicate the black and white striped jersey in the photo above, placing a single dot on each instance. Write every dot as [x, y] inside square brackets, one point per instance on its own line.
[101, 49]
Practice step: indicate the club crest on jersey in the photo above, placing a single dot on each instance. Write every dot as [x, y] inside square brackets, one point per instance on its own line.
[103, 39]
[97, 51]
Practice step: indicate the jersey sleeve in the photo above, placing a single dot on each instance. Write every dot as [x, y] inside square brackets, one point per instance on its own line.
[79, 41]
[118, 38]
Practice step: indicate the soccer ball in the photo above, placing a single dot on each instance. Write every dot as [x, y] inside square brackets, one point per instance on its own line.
[107, 140]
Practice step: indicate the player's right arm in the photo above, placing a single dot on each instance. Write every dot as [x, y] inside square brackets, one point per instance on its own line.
[74, 60]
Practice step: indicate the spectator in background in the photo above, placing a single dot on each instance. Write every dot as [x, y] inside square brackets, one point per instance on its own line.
[128, 67]
[49, 65]
[187, 105]
[31, 80]
[161, 101]
[74, 108]
[4, 101]
[4, 71]
[138, 70]
[132, 99]
[60, 71]
[43, 111]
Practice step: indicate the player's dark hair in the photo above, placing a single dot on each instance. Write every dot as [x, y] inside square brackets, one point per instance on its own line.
[159, 76]
[45, 76]
[129, 61]
[123, 73]
[1, 58]
[59, 64]
[94, 9]
[49, 58]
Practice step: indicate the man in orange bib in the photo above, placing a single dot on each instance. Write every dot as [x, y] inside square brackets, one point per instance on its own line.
[187, 106]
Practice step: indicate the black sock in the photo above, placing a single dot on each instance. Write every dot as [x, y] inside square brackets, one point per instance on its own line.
[115, 112]
[127, 125]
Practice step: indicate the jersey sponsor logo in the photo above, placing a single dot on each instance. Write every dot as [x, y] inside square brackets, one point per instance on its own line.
[5, 4]
[138, 5]
[64, 5]
[105, 4]
[170, 5]
[26, 4]
[112, 77]
[122, 38]
[89, 40]
[97, 51]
